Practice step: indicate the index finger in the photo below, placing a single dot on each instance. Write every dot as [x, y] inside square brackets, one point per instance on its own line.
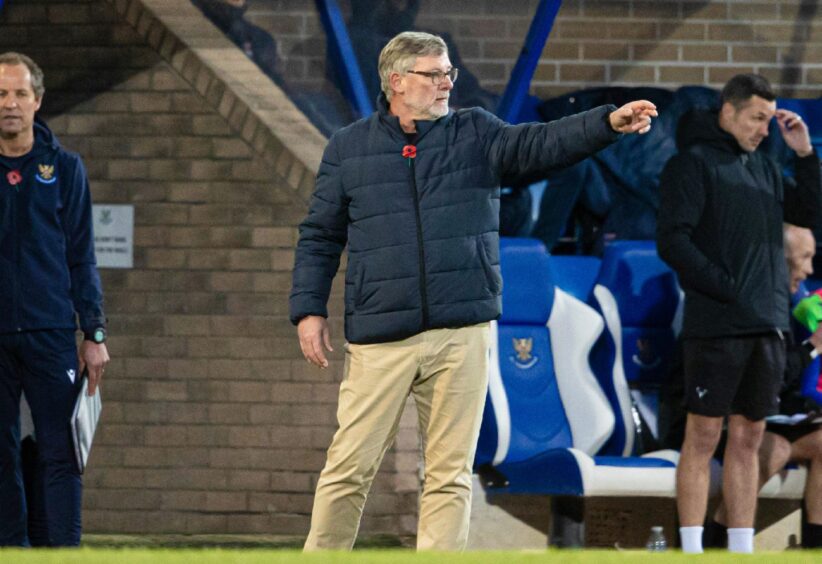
[644, 105]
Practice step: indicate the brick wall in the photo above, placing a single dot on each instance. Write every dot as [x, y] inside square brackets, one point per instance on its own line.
[665, 43]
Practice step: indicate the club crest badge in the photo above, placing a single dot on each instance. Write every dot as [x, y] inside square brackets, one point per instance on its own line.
[45, 174]
[523, 359]
[646, 356]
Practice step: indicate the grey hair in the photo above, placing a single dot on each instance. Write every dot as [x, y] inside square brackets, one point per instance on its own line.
[400, 54]
[37, 76]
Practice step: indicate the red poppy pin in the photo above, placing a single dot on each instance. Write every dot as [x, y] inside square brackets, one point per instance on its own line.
[409, 151]
[14, 177]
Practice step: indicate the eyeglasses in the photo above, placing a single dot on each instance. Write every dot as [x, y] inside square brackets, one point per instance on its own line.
[438, 76]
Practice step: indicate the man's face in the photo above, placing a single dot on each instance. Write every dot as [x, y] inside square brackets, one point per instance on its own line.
[421, 96]
[18, 103]
[749, 123]
[799, 253]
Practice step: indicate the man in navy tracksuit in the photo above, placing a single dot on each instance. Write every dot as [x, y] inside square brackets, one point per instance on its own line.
[48, 279]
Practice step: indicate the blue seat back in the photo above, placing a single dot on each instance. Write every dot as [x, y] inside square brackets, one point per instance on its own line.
[576, 274]
[524, 410]
[647, 296]
[639, 297]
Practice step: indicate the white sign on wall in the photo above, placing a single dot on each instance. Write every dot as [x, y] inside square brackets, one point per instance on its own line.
[114, 235]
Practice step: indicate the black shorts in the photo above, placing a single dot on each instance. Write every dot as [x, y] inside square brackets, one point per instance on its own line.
[792, 433]
[734, 375]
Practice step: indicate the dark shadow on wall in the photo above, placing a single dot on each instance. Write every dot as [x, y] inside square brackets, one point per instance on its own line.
[791, 69]
[108, 54]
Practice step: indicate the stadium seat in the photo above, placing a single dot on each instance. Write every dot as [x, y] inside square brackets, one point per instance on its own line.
[546, 415]
[640, 299]
[576, 274]
[547, 421]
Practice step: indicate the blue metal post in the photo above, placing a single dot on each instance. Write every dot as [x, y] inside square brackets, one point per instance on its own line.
[511, 103]
[343, 57]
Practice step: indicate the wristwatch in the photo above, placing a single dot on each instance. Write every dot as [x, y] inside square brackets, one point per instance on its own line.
[97, 335]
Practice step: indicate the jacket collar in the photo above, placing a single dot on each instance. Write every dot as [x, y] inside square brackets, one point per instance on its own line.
[393, 122]
[44, 142]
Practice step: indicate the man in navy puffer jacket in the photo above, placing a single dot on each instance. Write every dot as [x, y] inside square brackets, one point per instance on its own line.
[48, 278]
[414, 192]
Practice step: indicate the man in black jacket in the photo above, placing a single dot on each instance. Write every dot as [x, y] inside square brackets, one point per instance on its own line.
[720, 228]
[413, 190]
[781, 443]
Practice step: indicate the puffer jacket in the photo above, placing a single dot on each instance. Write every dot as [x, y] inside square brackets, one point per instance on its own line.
[422, 232]
[720, 228]
[48, 271]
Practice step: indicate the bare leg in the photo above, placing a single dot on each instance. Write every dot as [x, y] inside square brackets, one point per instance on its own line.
[693, 471]
[740, 476]
[773, 455]
[809, 448]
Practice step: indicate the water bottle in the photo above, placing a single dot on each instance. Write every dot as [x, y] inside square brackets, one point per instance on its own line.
[656, 542]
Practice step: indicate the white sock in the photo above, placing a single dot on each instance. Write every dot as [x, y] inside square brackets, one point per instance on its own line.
[691, 538]
[740, 540]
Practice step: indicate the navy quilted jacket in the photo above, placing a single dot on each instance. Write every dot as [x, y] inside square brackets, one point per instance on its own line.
[48, 272]
[422, 232]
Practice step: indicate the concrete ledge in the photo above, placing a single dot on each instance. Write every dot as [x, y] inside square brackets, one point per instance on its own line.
[505, 521]
[253, 106]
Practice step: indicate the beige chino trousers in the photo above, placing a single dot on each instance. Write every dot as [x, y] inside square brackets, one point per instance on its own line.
[446, 372]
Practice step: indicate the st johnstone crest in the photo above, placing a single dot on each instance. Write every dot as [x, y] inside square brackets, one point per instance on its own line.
[646, 357]
[524, 358]
[45, 174]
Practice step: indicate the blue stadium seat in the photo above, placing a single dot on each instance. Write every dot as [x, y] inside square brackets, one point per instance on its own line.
[546, 415]
[576, 274]
[640, 300]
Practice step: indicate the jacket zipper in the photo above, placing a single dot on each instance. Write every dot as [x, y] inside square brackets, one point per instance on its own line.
[423, 289]
[15, 284]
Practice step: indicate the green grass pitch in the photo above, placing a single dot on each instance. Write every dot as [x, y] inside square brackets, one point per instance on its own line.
[393, 556]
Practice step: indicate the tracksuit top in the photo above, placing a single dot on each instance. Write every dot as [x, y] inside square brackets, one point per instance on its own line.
[48, 271]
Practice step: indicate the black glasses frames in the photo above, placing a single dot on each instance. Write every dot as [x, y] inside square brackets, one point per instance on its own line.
[438, 76]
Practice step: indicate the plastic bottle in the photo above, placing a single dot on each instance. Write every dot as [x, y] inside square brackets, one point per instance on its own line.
[656, 542]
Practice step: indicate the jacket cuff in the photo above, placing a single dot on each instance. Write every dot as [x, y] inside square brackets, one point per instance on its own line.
[90, 322]
[606, 119]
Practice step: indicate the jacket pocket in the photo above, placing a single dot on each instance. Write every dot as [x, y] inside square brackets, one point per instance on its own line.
[353, 286]
[493, 277]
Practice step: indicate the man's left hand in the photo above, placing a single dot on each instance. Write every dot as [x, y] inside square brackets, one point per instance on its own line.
[93, 357]
[633, 117]
[794, 132]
